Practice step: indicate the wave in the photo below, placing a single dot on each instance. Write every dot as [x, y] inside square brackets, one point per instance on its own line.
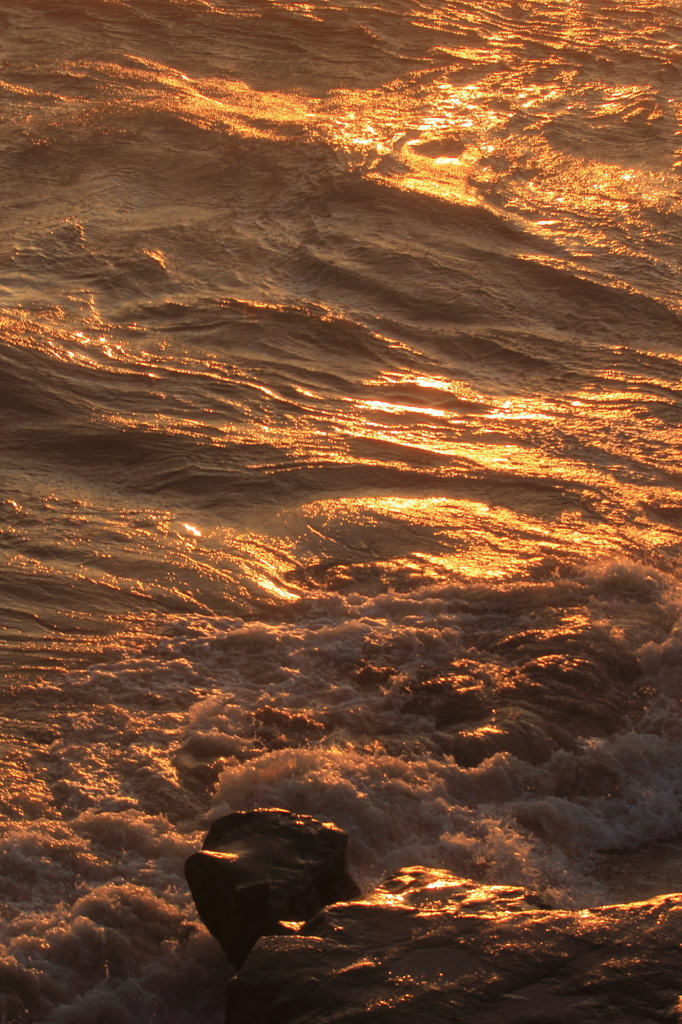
[510, 732]
[339, 388]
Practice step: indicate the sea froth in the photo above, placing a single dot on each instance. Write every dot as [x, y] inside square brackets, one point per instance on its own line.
[339, 391]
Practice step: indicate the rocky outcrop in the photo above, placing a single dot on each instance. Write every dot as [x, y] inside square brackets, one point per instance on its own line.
[426, 946]
[260, 869]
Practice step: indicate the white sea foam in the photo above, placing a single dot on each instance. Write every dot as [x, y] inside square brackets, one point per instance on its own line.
[102, 923]
[353, 375]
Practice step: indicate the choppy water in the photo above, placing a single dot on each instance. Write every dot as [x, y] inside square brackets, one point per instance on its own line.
[340, 393]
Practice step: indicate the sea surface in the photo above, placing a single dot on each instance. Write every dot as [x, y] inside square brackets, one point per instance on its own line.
[340, 399]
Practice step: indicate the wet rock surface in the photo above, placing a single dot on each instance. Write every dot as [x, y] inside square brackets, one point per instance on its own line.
[259, 869]
[428, 946]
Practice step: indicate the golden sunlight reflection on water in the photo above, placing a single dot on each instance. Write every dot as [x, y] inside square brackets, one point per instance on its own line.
[567, 145]
[582, 154]
[460, 538]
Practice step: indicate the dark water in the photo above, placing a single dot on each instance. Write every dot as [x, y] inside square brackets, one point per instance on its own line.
[340, 388]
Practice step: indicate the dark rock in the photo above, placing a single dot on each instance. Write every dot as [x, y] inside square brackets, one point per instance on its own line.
[428, 946]
[258, 869]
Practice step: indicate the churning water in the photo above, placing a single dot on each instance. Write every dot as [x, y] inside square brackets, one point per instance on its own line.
[340, 385]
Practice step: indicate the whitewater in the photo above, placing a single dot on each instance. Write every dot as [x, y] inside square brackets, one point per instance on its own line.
[340, 390]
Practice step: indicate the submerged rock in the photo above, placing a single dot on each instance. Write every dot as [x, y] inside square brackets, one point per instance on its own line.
[450, 146]
[258, 869]
[428, 946]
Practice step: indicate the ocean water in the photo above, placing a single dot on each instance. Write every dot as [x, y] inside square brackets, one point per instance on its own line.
[340, 385]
